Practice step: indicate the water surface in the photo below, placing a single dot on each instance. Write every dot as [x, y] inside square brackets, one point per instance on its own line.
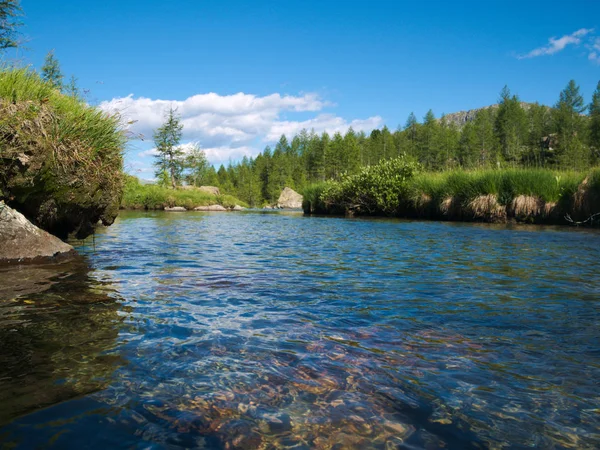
[274, 330]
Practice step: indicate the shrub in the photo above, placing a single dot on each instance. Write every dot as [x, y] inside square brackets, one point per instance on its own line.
[379, 189]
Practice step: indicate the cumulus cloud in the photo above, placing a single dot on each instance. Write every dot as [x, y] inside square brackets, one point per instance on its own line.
[232, 126]
[556, 45]
[323, 122]
[216, 155]
[215, 118]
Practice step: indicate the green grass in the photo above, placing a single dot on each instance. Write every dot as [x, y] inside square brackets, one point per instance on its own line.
[548, 185]
[426, 191]
[312, 201]
[74, 154]
[151, 196]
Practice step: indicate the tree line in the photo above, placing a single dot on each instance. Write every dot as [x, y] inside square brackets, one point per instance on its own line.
[509, 134]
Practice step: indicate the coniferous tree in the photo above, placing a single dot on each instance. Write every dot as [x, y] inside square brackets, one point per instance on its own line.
[51, 72]
[197, 167]
[10, 11]
[511, 127]
[569, 124]
[594, 126]
[170, 156]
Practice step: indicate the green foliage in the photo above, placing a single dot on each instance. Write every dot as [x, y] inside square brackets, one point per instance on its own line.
[10, 11]
[51, 72]
[197, 166]
[170, 156]
[73, 153]
[378, 189]
[151, 196]
[506, 185]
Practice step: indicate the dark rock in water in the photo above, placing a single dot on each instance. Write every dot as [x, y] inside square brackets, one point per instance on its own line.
[238, 434]
[24, 242]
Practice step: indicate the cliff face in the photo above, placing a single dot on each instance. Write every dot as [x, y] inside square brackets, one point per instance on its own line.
[461, 118]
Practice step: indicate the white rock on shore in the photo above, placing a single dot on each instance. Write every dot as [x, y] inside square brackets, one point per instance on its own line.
[210, 208]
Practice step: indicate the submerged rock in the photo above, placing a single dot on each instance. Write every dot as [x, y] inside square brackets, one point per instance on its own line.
[289, 199]
[210, 208]
[22, 241]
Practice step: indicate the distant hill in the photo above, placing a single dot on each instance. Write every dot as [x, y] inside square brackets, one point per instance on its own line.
[462, 117]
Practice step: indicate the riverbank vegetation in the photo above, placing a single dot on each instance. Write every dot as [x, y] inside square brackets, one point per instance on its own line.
[62, 160]
[398, 188]
[156, 197]
[509, 135]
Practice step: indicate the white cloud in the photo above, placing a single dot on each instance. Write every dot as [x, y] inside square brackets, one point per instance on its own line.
[556, 45]
[215, 155]
[323, 122]
[231, 126]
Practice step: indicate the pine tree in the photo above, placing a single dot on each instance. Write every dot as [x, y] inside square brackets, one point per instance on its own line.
[487, 145]
[427, 138]
[594, 125]
[170, 156]
[10, 10]
[51, 72]
[569, 124]
[197, 166]
[511, 127]
[72, 89]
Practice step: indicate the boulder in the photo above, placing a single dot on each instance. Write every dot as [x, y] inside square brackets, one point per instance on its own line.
[210, 190]
[289, 199]
[22, 241]
[238, 208]
[175, 208]
[210, 208]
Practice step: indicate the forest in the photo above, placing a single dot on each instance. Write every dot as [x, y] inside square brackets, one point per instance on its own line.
[508, 135]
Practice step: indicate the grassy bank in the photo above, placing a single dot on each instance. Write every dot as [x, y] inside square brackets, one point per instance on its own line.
[154, 197]
[526, 195]
[61, 159]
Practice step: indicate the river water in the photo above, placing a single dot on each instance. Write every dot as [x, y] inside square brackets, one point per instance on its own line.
[275, 330]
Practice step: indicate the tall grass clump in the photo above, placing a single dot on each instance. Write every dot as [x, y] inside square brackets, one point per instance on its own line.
[311, 198]
[62, 160]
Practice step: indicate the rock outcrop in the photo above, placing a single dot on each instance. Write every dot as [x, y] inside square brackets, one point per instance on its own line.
[238, 208]
[289, 199]
[175, 209]
[21, 241]
[210, 208]
[213, 190]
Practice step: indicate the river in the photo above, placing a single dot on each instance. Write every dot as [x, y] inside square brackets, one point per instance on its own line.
[275, 330]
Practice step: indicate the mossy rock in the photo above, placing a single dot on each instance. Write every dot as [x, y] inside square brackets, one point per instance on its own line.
[61, 163]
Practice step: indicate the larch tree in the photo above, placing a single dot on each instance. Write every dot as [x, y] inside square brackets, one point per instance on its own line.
[51, 72]
[169, 159]
[594, 110]
[569, 125]
[10, 11]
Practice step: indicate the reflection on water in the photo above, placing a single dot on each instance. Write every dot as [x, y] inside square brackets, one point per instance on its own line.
[58, 328]
[282, 331]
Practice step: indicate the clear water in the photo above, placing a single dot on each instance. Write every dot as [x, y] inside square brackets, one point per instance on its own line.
[250, 330]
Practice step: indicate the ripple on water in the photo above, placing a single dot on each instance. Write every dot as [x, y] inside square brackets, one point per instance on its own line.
[282, 331]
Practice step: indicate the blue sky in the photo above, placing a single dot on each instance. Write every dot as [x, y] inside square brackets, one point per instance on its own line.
[321, 64]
